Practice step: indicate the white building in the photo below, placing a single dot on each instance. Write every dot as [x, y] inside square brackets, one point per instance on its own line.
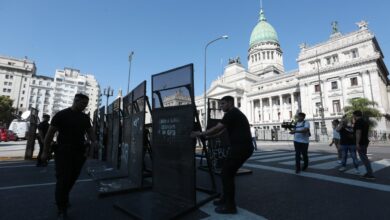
[346, 66]
[69, 82]
[41, 92]
[15, 76]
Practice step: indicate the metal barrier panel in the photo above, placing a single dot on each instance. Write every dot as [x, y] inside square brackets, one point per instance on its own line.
[116, 132]
[109, 119]
[126, 132]
[174, 152]
[218, 146]
[135, 153]
[101, 152]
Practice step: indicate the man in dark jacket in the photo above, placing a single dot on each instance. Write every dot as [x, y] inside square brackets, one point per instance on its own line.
[72, 125]
[361, 128]
[237, 126]
[43, 127]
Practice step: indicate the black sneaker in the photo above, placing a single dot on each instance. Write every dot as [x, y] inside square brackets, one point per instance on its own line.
[225, 210]
[218, 202]
[62, 215]
[368, 176]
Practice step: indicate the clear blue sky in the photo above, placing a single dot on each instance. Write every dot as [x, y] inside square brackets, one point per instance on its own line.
[97, 36]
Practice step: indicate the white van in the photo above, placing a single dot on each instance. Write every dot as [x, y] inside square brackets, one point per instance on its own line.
[20, 128]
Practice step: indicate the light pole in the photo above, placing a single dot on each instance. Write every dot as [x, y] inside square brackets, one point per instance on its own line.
[128, 79]
[323, 125]
[108, 92]
[204, 90]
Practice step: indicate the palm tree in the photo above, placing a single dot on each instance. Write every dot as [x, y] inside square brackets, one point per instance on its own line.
[367, 107]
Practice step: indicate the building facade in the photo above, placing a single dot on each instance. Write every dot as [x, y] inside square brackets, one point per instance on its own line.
[41, 92]
[69, 82]
[329, 74]
[15, 77]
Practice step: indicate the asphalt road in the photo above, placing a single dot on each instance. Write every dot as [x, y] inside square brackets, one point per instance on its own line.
[272, 191]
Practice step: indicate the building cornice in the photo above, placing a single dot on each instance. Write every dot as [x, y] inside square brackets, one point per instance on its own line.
[341, 66]
[279, 88]
[316, 47]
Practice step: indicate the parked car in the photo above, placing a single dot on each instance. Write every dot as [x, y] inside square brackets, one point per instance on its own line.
[12, 136]
[3, 134]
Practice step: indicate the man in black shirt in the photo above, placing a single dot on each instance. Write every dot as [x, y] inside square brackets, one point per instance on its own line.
[360, 128]
[72, 125]
[241, 149]
[42, 129]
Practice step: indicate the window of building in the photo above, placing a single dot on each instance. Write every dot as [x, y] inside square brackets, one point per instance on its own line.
[328, 60]
[25, 79]
[317, 88]
[21, 105]
[335, 58]
[5, 83]
[4, 90]
[334, 85]
[354, 81]
[354, 53]
[316, 125]
[10, 83]
[7, 76]
[33, 82]
[272, 55]
[336, 106]
[40, 83]
[24, 85]
[263, 55]
[8, 90]
[267, 55]
[23, 92]
[239, 102]
[11, 76]
[22, 98]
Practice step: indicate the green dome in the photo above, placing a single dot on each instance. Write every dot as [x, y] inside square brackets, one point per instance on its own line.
[263, 32]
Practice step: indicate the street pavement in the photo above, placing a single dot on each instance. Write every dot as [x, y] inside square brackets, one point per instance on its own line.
[272, 191]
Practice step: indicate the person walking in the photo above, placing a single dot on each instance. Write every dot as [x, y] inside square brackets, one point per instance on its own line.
[72, 125]
[43, 127]
[360, 129]
[336, 140]
[347, 144]
[301, 134]
[254, 137]
[241, 148]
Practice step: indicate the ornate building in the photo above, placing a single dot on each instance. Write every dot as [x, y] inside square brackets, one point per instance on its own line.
[341, 68]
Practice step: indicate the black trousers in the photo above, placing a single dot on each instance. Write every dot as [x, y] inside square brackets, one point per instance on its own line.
[40, 142]
[301, 148]
[68, 164]
[232, 163]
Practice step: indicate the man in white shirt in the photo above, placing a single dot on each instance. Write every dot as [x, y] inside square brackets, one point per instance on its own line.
[301, 142]
[254, 137]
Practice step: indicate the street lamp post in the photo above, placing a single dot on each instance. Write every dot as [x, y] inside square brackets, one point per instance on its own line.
[204, 90]
[108, 92]
[128, 79]
[323, 125]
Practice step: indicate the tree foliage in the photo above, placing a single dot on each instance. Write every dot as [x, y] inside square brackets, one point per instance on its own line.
[367, 107]
[6, 110]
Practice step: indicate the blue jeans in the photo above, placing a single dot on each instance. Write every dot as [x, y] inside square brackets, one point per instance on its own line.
[344, 154]
[254, 143]
[363, 156]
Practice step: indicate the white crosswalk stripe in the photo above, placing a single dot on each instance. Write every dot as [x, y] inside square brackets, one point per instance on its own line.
[271, 155]
[376, 166]
[285, 158]
[318, 161]
[314, 159]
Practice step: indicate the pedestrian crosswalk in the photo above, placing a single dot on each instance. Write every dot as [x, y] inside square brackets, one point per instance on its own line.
[317, 160]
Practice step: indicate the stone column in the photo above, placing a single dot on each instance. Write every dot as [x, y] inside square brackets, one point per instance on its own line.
[281, 107]
[261, 110]
[293, 104]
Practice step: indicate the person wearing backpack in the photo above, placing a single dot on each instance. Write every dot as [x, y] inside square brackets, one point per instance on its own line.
[301, 134]
[347, 143]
